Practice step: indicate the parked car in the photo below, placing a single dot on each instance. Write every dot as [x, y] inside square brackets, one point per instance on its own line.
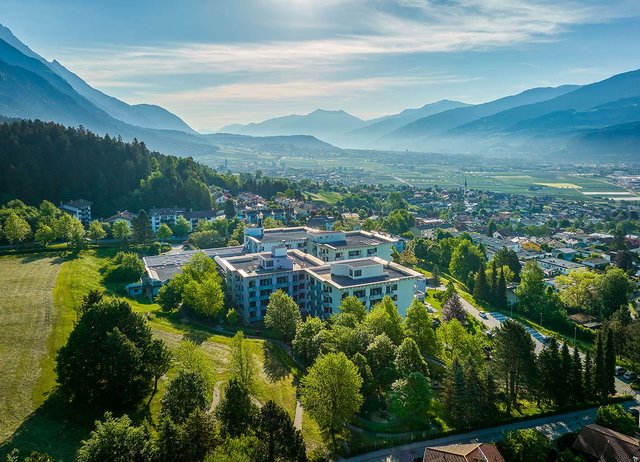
[631, 376]
[483, 315]
[619, 370]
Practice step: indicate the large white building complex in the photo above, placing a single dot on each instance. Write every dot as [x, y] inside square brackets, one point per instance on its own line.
[316, 268]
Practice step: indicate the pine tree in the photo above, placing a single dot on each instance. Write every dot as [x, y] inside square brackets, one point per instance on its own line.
[475, 393]
[609, 385]
[565, 376]
[481, 289]
[455, 395]
[576, 378]
[142, 231]
[490, 404]
[494, 282]
[501, 291]
[587, 382]
[599, 382]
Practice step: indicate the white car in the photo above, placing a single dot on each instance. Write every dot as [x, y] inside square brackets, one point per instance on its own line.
[483, 315]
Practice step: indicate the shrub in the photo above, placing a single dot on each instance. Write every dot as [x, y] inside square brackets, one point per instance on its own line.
[125, 267]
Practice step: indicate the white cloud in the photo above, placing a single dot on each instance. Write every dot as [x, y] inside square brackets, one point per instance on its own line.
[310, 67]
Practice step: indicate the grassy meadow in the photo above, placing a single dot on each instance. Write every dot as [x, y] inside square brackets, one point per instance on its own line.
[39, 294]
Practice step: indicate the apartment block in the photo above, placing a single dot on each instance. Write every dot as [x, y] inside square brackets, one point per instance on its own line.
[325, 245]
[317, 287]
[80, 208]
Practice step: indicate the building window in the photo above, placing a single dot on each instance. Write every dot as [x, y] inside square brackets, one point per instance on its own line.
[269, 263]
[372, 251]
[338, 254]
[359, 293]
[252, 314]
[252, 283]
[375, 291]
[357, 273]
[265, 282]
[282, 280]
[252, 304]
[266, 292]
[252, 294]
[354, 253]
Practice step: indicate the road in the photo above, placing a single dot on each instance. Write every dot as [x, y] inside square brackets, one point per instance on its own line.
[493, 320]
[552, 426]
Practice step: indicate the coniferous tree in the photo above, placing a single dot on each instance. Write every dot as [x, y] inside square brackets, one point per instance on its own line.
[599, 380]
[494, 281]
[453, 309]
[501, 291]
[481, 289]
[475, 393]
[576, 378]
[456, 395]
[490, 404]
[141, 224]
[565, 376]
[609, 386]
[588, 379]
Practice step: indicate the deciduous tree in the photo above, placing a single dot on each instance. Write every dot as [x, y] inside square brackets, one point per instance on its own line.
[331, 392]
[283, 315]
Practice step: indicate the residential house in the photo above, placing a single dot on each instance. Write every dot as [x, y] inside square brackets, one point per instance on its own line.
[125, 216]
[79, 208]
[197, 216]
[565, 253]
[601, 444]
[558, 266]
[472, 452]
[164, 215]
[596, 263]
[321, 222]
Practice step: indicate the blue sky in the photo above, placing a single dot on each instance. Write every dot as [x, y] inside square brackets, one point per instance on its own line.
[215, 62]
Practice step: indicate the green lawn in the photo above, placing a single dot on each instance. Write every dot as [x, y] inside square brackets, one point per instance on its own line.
[31, 326]
[33, 416]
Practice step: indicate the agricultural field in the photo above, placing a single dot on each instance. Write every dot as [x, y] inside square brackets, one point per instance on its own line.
[33, 416]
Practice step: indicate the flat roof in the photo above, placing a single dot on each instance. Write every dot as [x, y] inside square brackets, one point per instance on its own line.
[250, 263]
[392, 271]
[359, 263]
[166, 266]
[560, 262]
[283, 234]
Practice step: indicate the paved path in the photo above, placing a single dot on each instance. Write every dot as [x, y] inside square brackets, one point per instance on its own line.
[491, 322]
[297, 420]
[216, 398]
[552, 426]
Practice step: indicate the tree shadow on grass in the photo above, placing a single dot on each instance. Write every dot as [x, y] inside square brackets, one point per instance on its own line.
[274, 366]
[56, 427]
[196, 336]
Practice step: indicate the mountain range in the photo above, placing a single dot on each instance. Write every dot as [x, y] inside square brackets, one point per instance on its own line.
[34, 88]
[555, 121]
[569, 121]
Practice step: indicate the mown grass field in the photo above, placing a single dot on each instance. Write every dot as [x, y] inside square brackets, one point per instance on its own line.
[30, 327]
[38, 298]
